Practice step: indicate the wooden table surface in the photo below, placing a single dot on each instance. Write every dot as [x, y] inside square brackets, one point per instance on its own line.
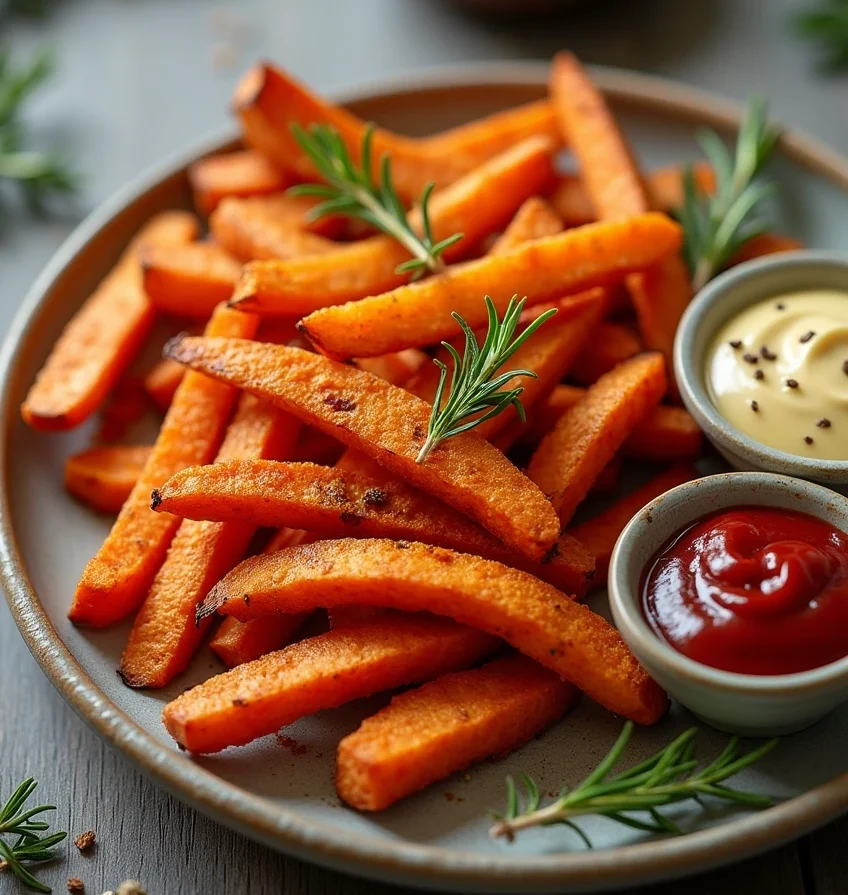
[139, 80]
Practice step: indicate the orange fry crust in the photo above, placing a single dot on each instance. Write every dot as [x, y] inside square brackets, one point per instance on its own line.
[243, 173]
[103, 477]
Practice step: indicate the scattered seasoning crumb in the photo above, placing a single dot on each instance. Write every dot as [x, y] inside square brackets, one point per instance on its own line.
[75, 884]
[823, 423]
[85, 841]
[767, 354]
[807, 336]
[755, 406]
[735, 343]
[291, 744]
[792, 383]
[129, 887]
[449, 796]
[808, 439]
[4, 865]
[780, 306]
[750, 358]
[758, 374]
[466, 778]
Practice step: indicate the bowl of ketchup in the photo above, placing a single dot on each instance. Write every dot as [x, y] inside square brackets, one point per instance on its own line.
[732, 590]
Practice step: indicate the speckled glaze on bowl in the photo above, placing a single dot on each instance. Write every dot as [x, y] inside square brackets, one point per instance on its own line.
[288, 801]
[747, 704]
[717, 302]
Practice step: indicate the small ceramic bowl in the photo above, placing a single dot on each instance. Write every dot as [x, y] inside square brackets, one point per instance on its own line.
[720, 299]
[747, 704]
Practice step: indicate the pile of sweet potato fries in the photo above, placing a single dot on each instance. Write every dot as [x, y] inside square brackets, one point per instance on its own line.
[303, 405]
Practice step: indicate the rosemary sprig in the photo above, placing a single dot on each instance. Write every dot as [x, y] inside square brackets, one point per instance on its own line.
[827, 27]
[716, 227]
[669, 776]
[352, 192]
[474, 387]
[37, 174]
[30, 847]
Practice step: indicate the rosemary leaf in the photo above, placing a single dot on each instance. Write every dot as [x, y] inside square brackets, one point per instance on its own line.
[826, 26]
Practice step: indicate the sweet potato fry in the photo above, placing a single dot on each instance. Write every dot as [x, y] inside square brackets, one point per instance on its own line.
[338, 502]
[272, 227]
[315, 446]
[664, 188]
[238, 642]
[545, 269]
[612, 344]
[535, 219]
[608, 478]
[396, 368]
[388, 424]
[586, 438]
[165, 637]
[102, 338]
[244, 173]
[479, 203]
[533, 616]
[765, 244]
[162, 381]
[600, 533]
[188, 280]
[426, 734]
[126, 405]
[378, 653]
[116, 580]
[665, 435]
[102, 477]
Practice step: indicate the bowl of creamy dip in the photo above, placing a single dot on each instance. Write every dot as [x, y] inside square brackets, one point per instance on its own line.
[761, 360]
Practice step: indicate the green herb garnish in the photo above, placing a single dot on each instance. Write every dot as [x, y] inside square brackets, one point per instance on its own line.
[351, 191]
[827, 27]
[716, 227]
[475, 394]
[669, 776]
[29, 847]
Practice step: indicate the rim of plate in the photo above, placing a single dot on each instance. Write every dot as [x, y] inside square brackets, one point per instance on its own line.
[400, 862]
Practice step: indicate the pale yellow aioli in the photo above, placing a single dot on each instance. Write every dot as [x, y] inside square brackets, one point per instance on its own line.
[775, 382]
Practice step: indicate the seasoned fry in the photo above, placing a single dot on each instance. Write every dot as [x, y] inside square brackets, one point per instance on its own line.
[102, 477]
[420, 313]
[765, 244]
[396, 368]
[244, 173]
[162, 381]
[188, 280]
[102, 338]
[165, 637]
[444, 726]
[363, 503]
[116, 580]
[125, 406]
[586, 438]
[608, 478]
[388, 424]
[600, 533]
[238, 642]
[535, 219]
[272, 227]
[612, 344]
[377, 653]
[664, 189]
[665, 435]
[476, 205]
[561, 634]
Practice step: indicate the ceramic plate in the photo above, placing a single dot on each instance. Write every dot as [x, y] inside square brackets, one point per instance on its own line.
[438, 838]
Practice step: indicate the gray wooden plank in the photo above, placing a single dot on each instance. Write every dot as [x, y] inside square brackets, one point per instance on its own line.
[824, 856]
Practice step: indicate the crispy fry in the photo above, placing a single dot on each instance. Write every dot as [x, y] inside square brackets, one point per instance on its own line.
[586, 438]
[388, 424]
[446, 725]
[396, 368]
[125, 406]
[378, 653]
[238, 642]
[116, 580]
[545, 269]
[272, 227]
[315, 446]
[664, 188]
[561, 634]
[162, 381]
[535, 219]
[665, 435]
[102, 338]
[477, 204]
[188, 280]
[165, 637]
[765, 244]
[608, 478]
[364, 503]
[601, 532]
[244, 173]
[102, 477]
[612, 344]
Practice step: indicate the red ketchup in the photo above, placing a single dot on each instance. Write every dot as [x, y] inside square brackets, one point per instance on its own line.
[756, 590]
